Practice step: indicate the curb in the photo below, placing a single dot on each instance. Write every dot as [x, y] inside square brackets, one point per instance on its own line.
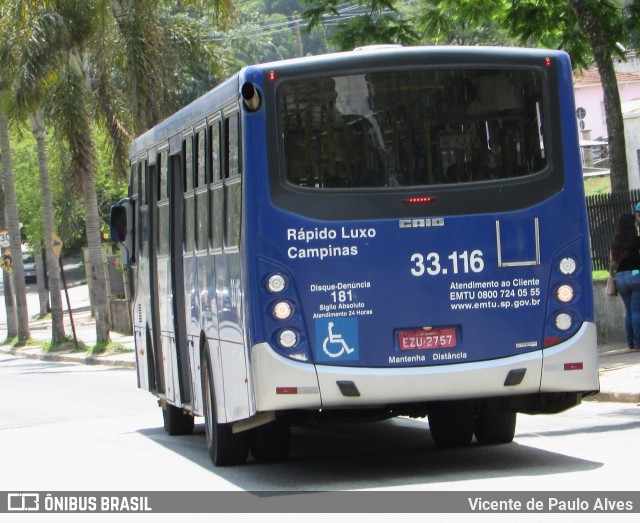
[103, 359]
[615, 397]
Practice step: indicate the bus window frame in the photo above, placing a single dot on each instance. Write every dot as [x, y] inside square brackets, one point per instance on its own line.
[201, 244]
[162, 198]
[216, 183]
[143, 209]
[232, 179]
[188, 191]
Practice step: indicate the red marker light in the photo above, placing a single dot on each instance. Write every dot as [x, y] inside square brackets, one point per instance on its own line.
[272, 75]
[547, 61]
[420, 199]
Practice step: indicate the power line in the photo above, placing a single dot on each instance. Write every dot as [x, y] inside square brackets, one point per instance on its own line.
[345, 11]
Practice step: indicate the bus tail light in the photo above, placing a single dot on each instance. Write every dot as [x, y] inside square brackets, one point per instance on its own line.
[565, 293]
[282, 310]
[563, 321]
[567, 266]
[288, 339]
[276, 283]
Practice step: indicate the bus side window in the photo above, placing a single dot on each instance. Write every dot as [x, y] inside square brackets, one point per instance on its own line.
[232, 130]
[143, 244]
[189, 207]
[163, 204]
[133, 194]
[233, 185]
[216, 188]
[202, 205]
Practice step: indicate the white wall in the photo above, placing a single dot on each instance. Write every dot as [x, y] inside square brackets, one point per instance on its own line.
[632, 139]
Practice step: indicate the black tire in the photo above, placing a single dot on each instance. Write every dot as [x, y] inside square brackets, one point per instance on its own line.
[176, 421]
[271, 442]
[224, 447]
[452, 424]
[495, 427]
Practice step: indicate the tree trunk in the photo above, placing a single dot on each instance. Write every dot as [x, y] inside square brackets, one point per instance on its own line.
[41, 281]
[83, 161]
[12, 321]
[11, 208]
[95, 272]
[590, 26]
[57, 315]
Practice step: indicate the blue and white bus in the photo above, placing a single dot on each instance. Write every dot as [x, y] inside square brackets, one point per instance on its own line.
[384, 232]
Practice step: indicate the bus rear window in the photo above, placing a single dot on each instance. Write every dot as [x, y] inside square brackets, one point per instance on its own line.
[412, 128]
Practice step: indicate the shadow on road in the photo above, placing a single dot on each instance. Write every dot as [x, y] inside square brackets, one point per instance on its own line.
[396, 454]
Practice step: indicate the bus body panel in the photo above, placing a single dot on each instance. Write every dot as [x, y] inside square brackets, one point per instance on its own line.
[444, 276]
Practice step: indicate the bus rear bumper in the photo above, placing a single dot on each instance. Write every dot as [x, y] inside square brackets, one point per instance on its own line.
[573, 365]
[281, 384]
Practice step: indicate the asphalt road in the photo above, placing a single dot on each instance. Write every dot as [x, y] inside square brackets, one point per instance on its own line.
[65, 426]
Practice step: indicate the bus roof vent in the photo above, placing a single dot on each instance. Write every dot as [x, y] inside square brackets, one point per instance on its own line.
[378, 47]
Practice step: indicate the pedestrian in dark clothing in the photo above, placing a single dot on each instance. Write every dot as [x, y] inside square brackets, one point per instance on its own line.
[625, 259]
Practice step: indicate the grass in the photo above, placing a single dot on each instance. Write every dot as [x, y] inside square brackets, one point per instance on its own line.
[597, 185]
[110, 346]
[16, 343]
[66, 344]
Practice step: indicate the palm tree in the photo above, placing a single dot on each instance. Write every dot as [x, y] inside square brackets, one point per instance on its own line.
[58, 54]
[15, 34]
[13, 222]
[37, 123]
[156, 38]
[10, 200]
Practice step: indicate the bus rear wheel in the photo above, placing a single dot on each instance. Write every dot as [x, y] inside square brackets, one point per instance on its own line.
[494, 426]
[224, 447]
[271, 442]
[176, 421]
[451, 424]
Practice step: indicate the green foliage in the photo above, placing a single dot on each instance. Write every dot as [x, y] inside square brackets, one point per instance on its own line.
[67, 202]
[25, 172]
[67, 344]
[110, 346]
[550, 24]
[597, 185]
[374, 29]
[376, 22]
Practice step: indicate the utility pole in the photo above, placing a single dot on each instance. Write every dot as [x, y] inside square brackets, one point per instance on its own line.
[296, 29]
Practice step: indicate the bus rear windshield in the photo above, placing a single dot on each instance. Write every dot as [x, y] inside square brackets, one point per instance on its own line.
[412, 128]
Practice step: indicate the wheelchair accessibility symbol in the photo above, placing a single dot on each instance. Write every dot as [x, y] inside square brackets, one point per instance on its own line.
[337, 339]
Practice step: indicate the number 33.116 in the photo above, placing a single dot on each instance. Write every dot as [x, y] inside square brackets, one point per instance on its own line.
[460, 263]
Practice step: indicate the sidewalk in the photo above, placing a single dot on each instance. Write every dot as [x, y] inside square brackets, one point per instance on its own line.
[85, 327]
[619, 367]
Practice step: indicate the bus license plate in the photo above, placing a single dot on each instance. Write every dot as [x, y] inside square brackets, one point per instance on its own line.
[424, 339]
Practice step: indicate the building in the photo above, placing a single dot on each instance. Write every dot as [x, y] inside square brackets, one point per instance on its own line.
[590, 99]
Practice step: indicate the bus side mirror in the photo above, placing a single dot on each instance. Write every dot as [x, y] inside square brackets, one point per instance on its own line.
[121, 222]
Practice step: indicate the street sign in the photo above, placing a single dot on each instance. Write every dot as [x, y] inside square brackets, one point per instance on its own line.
[56, 244]
[6, 262]
[5, 242]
